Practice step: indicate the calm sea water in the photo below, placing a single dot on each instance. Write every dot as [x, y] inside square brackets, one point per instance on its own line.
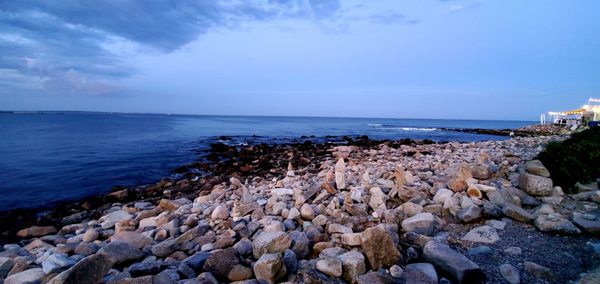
[51, 157]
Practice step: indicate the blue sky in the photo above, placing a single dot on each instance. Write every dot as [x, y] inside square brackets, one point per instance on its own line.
[472, 59]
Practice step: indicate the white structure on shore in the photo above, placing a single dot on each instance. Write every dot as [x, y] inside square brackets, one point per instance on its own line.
[587, 114]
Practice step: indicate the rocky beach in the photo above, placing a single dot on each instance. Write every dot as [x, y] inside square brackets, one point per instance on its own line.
[355, 211]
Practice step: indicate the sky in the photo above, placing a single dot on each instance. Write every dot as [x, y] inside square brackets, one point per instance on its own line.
[456, 59]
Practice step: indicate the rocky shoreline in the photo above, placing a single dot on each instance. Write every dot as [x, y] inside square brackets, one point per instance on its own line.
[366, 212]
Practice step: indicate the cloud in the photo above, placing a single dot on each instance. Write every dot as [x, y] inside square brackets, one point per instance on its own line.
[460, 8]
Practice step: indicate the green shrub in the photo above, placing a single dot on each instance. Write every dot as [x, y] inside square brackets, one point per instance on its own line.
[576, 159]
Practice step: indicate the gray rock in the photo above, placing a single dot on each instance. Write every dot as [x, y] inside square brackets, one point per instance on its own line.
[517, 213]
[510, 274]
[86, 249]
[330, 266]
[300, 244]
[590, 226]
[6, 264]
[57, 263]
[269, 268]
[379, 247]
[483, 234]
[479, 251]
[135, 239]
[119, 252]
[470, 213]
[535, 185]
[186, 271]
[422, 223]
[31, 276]
[165, 248]
[420, 273]
[206, 278]
[290, 261]
[196, 261]
[353, 264]
[376, 277]
[453, 263]
[89, 270]
[274, 242]
[244, 247]
[396, 271]
[536, 167]
[556, 224]
[146, 268]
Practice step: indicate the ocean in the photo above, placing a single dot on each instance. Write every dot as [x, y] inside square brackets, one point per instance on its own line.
[54, 156]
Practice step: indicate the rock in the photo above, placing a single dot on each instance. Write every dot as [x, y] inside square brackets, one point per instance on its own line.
[539, 271]
[410, 209]
[338, 229]
[555, 223]
[379, 247]
[396, 271]
[320, 220]
[196, 261]
[220, 213]
[165, 248]
[517, 213]
[307, 212]
[340, 179]
[6, 264]
[481, 172]
[483, 234]
[353, 264]
[206, 278]
[275, 242]
[90, 235]
[596, 196]
[376, 277]
[535, 185]
[239, 273]
[590, 226]
[86, 249]
[172, 205]
[459, 181]
[111, 219]
[453, 263]
[422, 223]
[282, 191]
[119, 252]
[352, 239]
[294, 214]
[221, 262]
[474, 192]
[420, 273]
[89, 270]
[269, 268]
[135, 239]
[510, 274]
[479, 251]
[470, 213]
[146, 268]
[535, 167]
[330, 266]
[496, 224]
[36, 231]
[31, 276]
[441, 195]
[300, 244]
[57, 263]
[378, 199]
[290, 260]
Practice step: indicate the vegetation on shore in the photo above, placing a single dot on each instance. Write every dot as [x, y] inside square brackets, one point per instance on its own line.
[574, 160]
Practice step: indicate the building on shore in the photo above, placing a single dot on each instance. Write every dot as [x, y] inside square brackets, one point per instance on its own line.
[588, 115]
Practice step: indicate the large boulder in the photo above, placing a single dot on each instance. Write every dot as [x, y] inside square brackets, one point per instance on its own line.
[535, 185]
[456, 265]
[379, 247]
[556, 224]
[272, 242]
[422, 223]
[89, 270]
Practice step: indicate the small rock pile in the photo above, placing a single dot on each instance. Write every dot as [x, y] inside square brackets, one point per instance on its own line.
[369, 215]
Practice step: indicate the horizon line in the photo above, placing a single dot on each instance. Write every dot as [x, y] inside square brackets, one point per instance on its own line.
[246, 115]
